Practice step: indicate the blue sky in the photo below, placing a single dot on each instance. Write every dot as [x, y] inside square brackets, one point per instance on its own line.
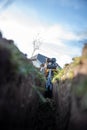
[59, 25]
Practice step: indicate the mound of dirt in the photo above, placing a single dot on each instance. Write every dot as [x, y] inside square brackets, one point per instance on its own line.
[70, 94]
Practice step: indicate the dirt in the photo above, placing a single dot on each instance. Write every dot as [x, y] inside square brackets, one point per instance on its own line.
[21, 106]
[71, 98]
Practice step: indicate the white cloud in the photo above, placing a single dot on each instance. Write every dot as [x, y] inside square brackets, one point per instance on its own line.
[24, 29]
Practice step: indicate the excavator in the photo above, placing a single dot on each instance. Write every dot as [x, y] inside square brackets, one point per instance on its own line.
[50, 68]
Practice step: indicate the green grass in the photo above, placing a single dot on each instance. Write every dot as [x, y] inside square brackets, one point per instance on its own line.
[21, 63]
[67, 71]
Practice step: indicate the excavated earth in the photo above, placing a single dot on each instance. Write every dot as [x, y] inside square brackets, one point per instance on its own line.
[22, 101]
[70, 94]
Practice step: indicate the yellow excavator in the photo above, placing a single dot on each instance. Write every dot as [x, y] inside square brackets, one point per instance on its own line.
[50, 69]
[50, 65]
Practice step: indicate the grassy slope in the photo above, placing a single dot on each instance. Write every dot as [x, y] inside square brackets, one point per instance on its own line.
[21, 65]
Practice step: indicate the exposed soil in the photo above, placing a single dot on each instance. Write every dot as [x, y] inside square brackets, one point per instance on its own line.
[21, 105]
[71, 98]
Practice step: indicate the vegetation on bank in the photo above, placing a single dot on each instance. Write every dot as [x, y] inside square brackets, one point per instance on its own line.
[67, 72]
[20, 62]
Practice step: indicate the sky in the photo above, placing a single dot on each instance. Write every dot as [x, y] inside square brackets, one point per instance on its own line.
[59, 26]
